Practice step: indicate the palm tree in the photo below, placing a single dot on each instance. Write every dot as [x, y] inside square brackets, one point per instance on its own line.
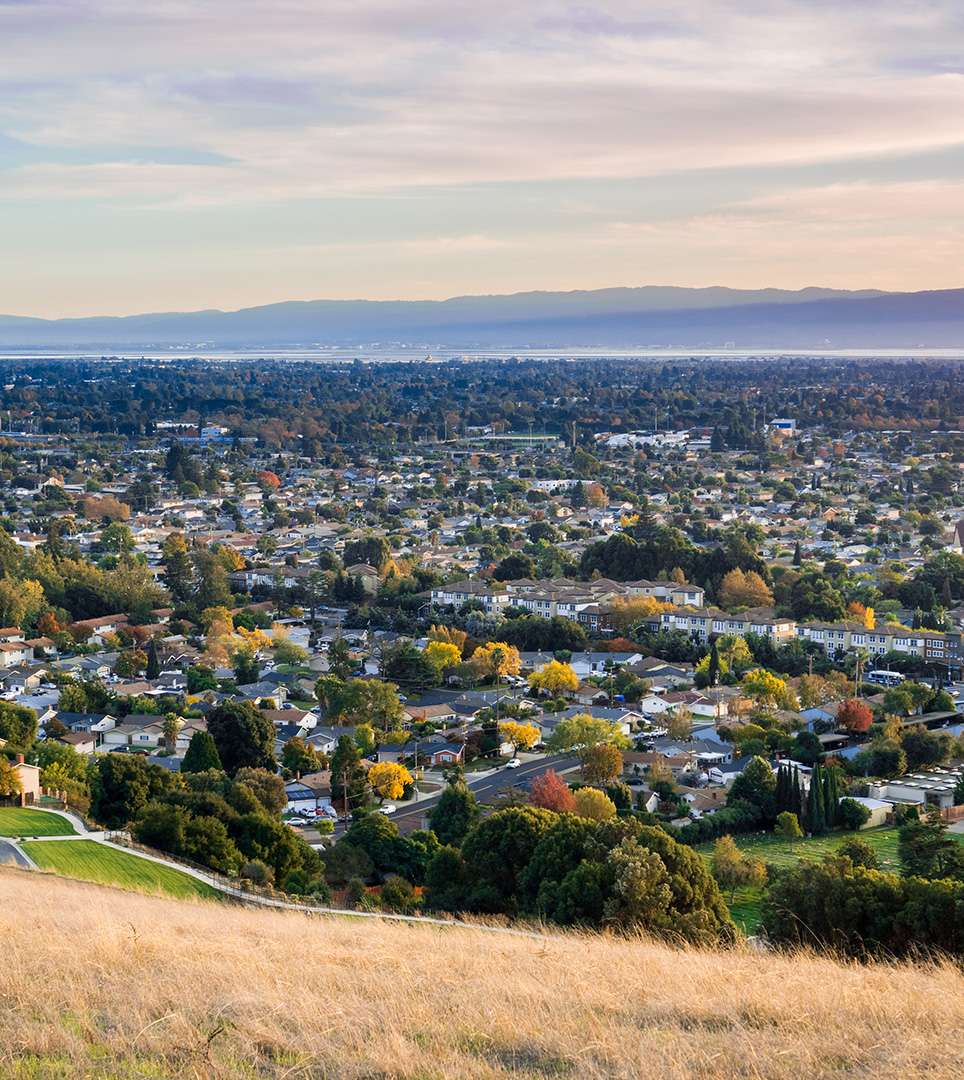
[171, 727]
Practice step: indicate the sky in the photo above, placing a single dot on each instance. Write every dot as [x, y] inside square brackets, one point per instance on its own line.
[177, 155]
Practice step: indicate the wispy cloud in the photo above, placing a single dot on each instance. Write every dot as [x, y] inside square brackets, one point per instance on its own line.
[246, 106]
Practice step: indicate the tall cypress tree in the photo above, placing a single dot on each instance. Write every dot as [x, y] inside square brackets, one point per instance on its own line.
[815, 802]
[797, 795]
[832, 803]
[713, 670]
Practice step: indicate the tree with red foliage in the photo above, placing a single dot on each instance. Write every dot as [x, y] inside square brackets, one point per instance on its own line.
[551, 792]
[268, 479]
[855, 716]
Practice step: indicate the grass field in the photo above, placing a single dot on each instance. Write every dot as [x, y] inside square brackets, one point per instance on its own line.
[152, 987]
[745, 906]
[90, 861]
[19, 821]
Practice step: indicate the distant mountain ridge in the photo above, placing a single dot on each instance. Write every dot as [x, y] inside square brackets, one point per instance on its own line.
[649, 316]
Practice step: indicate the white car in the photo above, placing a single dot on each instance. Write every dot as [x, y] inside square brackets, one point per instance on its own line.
[387, 808]
[514, 763]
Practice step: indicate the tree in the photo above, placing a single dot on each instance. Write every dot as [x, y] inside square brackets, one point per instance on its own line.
[443, 655]
[854, 716]
[122, 785]
[732, 869]
[287, 652]
[582, 731]
[410, 668]
[10, 783]
[769, 689]
[201, 754]
[300, 758]
[756, 785]
[787, 826]
[551, 792]
[454, 814]
[171, 726]
[496, 852]
[641, 896]
[959, 790]
[18, 725]
[448, 635]
[340, 663]
[852, 814]
[554, 678]
[594, 804]
[20, 601]
[739, 589]
[266, 786]
[389, 780]
[601, 763]
[925, 850]
[679, 723]
[153, 665]
[244, 737]
[496, 659]
[349, 780]
[859, 852]
[521, 736]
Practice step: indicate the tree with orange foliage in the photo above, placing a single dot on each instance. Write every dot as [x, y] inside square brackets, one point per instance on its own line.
[855, 716]
[551, 792]
[268, 479]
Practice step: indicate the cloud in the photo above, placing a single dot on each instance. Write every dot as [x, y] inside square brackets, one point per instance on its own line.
[172, 113]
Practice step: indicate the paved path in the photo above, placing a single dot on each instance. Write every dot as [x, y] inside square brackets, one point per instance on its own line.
[11, 855]
[23, 861]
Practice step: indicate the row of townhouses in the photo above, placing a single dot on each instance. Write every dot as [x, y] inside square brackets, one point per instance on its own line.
[591, 603]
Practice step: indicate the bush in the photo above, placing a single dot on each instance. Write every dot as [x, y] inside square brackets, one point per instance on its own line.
[852, 814]
[398, 895]
[258, 873]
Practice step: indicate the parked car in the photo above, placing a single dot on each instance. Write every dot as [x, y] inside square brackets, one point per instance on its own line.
[387, 808]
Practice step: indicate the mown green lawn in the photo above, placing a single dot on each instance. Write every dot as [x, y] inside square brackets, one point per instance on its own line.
[21, 821]
[745, 905]
[90, 861]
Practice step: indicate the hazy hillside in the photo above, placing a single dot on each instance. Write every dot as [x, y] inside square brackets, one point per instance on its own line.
[651, 316]
[102, 983]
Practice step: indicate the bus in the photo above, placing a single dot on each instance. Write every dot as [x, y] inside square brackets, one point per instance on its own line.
[884, 678]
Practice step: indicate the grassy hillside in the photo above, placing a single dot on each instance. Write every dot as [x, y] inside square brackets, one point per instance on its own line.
[776, 851]
[99, 984]
[21, 821]
[89, 861]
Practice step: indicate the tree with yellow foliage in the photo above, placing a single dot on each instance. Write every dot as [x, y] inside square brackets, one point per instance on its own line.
[629, 611]
[389, 780]
[554, 678]
[594, 804]
[450, 635]
[739, 589]
[254, 640]
[496, 659]
[442, 655]
[769, 689]
[521, 736]
[219, 639]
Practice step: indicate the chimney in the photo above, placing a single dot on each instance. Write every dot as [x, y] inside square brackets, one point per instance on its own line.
[19, 759]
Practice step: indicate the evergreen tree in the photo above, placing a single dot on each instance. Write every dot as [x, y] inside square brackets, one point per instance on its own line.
[713, 670]
[349, 781]
[815, 803]
[153, 660]
[797, 807]
[797, 555]
[201, 755]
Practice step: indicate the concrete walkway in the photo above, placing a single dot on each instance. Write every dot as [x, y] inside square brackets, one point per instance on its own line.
[11, 855]
[21, 859]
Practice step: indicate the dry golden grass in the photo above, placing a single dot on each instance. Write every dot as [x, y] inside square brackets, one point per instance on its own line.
[99, 983]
